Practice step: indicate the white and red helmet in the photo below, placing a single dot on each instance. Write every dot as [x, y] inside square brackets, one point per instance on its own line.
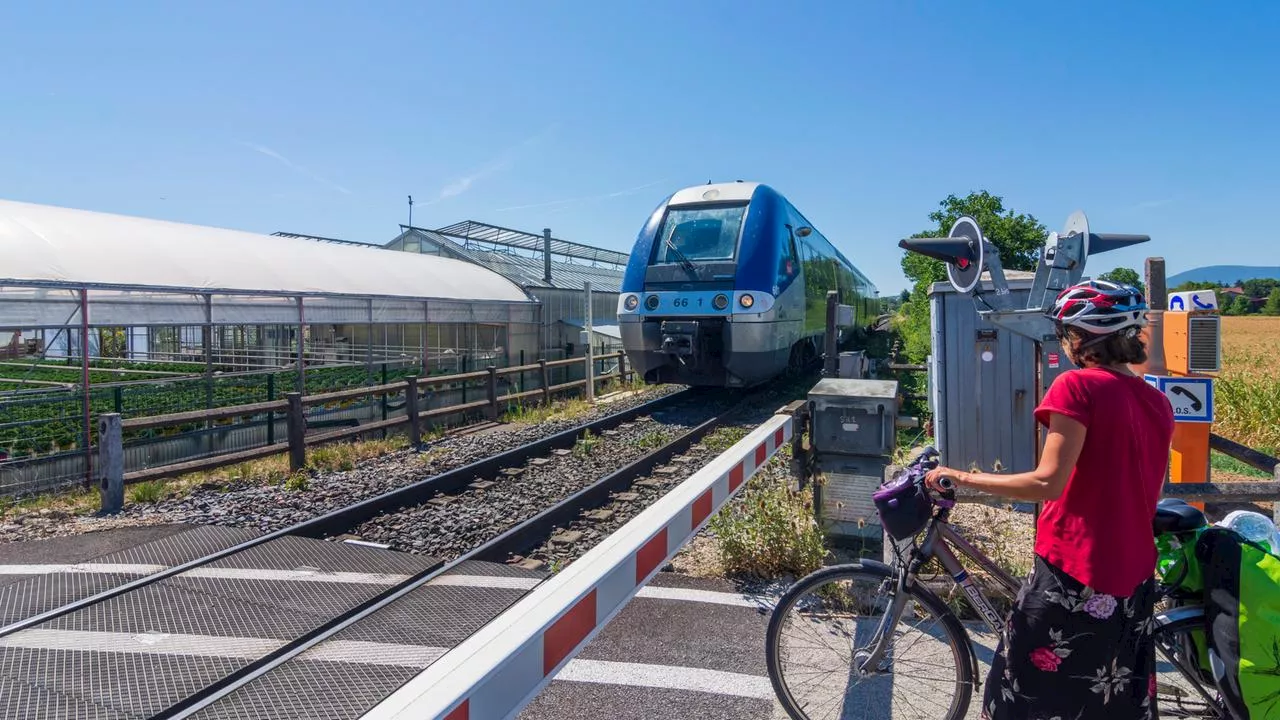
[1100, 307]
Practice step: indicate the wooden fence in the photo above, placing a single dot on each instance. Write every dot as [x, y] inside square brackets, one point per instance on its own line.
[111, 427]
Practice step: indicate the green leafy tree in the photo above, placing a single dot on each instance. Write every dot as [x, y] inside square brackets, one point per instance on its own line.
[1018, 237]
[1124, 276]
[1238, 306]
[1193, 285]
[1273, 303]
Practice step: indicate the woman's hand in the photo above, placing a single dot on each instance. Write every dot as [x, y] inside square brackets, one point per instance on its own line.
[932, 477]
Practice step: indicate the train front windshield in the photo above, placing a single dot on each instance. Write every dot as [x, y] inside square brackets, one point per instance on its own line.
[699, 234]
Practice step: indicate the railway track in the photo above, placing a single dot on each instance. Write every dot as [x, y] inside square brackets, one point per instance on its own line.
[275, 625]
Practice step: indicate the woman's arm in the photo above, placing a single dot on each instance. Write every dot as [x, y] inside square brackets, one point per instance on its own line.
[1061, 450]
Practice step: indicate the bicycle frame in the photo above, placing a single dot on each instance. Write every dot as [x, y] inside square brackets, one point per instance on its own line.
[939, 541]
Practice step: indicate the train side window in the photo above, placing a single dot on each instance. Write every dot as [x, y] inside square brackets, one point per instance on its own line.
[788, 259]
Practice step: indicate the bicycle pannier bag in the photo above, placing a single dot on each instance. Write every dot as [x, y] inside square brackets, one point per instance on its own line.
[903, 506]
[1242, 614]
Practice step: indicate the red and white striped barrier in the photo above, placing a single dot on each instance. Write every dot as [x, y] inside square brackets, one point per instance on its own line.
[496, 671]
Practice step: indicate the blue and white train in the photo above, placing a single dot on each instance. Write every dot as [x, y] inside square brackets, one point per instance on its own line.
[727, 285]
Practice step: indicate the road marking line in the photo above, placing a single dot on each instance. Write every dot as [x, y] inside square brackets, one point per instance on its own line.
[667, 677]
[121, 569]
[604, 672]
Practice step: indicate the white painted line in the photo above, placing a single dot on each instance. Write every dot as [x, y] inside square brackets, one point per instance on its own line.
[487, 581]
[707, 596]
[299, 575]
[295, 575]
[155, 643]
[372, 653]
[667, 677]
[603, 672]
[121, 569]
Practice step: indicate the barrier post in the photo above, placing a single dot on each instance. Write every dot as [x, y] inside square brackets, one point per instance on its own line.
[297, 432]
[411, 409]
[591, 367]
[546, 381]
[111, 463]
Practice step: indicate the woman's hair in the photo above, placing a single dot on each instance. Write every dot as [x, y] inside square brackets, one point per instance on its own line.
[1125, 346]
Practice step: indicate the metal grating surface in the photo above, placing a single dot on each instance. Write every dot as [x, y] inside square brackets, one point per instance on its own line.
[40, 593]
[435, 616]
[289, 553]
[164, 608]
[83, 685]
[183, 547]
[318, 599]
[311, 691]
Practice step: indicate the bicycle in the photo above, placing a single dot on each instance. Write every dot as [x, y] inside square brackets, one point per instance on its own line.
[866, 649]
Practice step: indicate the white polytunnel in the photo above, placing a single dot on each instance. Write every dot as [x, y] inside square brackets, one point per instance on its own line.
[144, 271]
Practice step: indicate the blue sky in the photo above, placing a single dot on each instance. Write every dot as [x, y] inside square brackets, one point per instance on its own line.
[321, 117]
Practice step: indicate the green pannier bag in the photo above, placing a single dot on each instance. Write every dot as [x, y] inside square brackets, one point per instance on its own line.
[1178, 568]
[1242, 613]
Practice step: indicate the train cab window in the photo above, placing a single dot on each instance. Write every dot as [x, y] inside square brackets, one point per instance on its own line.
[699, 233]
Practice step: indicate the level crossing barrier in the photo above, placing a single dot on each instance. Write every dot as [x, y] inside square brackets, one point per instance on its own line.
[498, 670]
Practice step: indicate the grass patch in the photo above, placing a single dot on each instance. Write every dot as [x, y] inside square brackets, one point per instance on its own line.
[535, 414]
[146, 492]
[635, 384]
[586, 445]
[72, 502]
[298, 482]
[770, 530]
[1226, 463]
[651, 440]
[724, 438]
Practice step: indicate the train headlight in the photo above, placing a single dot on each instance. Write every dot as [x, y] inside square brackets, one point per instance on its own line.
[746, 301]
[631, 303]
[720, 301]
[651, 302]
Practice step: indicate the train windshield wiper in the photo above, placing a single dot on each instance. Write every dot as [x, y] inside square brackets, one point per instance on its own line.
[684, 261]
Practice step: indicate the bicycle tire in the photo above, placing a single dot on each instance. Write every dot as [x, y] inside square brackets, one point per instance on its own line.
[1171, 630]
[958, 639]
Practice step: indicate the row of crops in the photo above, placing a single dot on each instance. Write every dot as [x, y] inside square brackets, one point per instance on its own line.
[41, 422]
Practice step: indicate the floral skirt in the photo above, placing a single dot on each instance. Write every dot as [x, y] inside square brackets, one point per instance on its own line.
[1068, 653]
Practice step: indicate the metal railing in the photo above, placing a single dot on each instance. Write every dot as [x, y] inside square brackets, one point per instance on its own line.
[112, 427]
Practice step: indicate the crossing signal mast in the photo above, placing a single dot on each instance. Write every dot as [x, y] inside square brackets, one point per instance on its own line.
[968, 254]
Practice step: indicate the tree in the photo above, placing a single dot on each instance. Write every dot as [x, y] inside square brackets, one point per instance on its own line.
[1273, 303]
[1238, 306]
[1018, 237]
[1194, 285]
[1124, 276]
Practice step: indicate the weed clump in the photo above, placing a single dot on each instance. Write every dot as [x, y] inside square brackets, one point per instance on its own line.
[770, 531]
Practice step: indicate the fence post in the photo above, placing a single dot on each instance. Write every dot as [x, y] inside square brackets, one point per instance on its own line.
[622, 368]
[411, 408]
[491, 387]
[271, 416]
[297, 432]
[111, 463]
[546, 381]
[591, 366]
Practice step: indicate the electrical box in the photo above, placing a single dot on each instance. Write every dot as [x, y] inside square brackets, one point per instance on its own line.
[843, 500]
[1193, 342]
[854, 417]
[852, 365]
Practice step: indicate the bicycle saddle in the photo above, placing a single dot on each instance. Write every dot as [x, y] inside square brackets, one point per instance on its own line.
[1174, 515]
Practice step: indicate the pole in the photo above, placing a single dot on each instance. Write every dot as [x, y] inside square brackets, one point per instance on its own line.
[302, 326]
[831, 359]
[411, 408]
[591, 370]
[410, 211]
[84, 381]
[297, 433]
[491, 390]
[111, 463]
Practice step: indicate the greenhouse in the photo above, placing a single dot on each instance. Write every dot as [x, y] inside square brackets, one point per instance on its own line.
[102, 313]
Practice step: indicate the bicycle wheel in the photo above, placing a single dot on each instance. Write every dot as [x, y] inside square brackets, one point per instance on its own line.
[1183, 690]
[927, 671]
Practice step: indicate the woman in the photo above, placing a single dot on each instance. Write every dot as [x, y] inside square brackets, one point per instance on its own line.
[1078, 642]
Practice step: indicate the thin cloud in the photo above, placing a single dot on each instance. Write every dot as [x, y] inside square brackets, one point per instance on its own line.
[1149, 204]
[264, 150]
[502, 163]
[589, 198]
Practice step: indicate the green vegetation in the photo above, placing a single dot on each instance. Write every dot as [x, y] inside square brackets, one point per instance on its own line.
[568, 409]
[770, 530]
[586, 444]
[147, 492]
[1124, 276]
[651, 440]
[52, 421]
[723, 438]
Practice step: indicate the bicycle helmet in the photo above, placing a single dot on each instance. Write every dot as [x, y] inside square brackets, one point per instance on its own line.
[1100, 307]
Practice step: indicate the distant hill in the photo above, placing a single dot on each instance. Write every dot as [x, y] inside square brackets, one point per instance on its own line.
[1225, 274]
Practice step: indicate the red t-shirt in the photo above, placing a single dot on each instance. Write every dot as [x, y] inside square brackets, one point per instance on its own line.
[1099, 530]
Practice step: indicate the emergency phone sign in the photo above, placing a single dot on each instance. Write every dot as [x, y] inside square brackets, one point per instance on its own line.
[1190, 397]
